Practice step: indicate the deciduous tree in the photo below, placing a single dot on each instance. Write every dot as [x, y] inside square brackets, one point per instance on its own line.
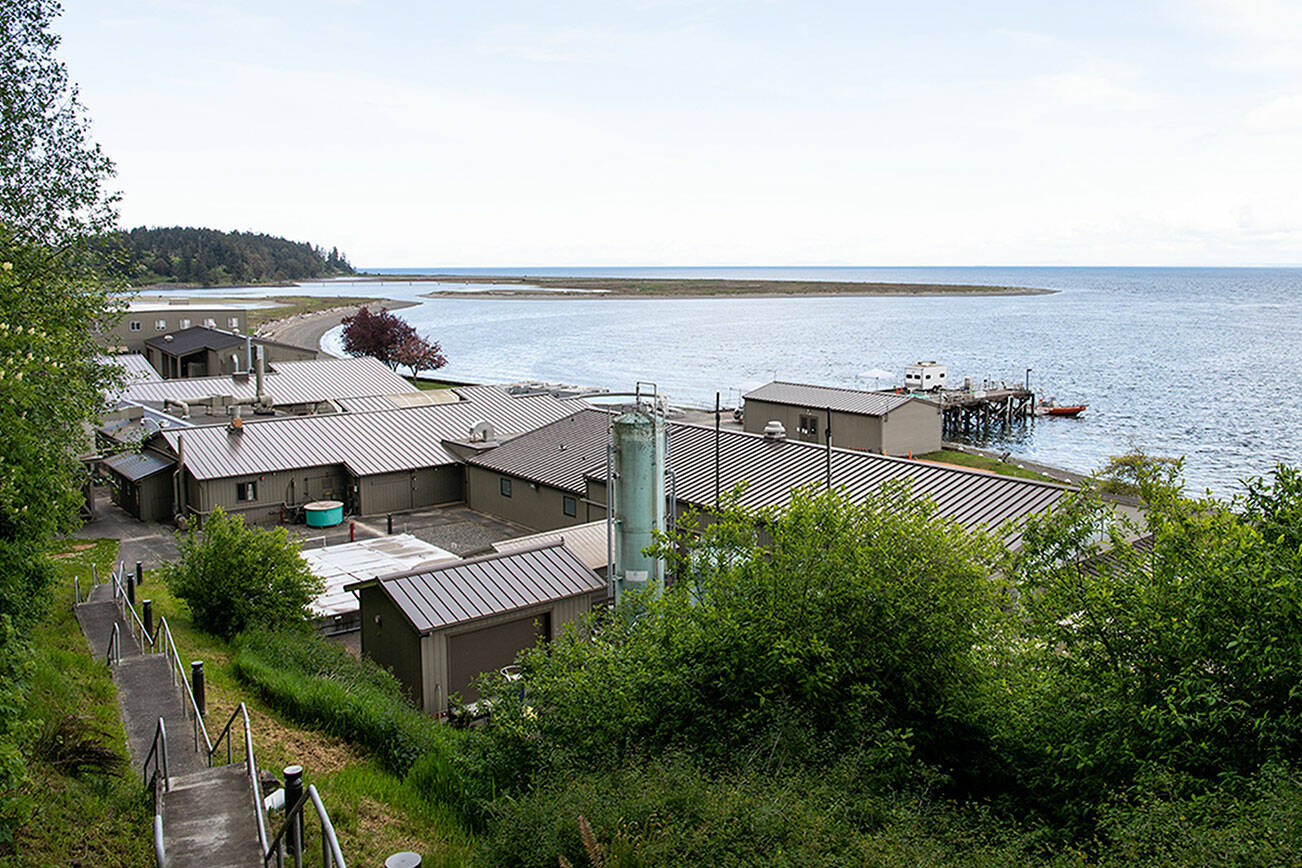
[376, 334]
[419, 354]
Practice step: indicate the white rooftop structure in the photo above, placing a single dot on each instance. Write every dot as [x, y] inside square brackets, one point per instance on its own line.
[363, 560]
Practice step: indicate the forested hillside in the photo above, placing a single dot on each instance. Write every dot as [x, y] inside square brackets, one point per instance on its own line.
[180, 254]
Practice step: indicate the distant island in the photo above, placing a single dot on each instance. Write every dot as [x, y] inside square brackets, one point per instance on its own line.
[183, 255]
[672, 287]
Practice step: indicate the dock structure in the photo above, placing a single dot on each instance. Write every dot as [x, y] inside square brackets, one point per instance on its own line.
[969, 411]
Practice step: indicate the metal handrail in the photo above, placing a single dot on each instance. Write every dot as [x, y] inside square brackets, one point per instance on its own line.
[250, 764]
[169, 651]
[331, 853]
[160, 856]
[76, 590]
[125, 605]
[113, 654]
[157, 755]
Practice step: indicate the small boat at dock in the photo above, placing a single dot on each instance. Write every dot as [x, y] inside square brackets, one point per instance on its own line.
[1047, 407]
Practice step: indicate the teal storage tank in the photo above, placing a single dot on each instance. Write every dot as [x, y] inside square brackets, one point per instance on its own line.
[324, 513]
[639, 498]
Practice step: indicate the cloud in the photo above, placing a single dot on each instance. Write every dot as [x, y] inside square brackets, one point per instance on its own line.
[1262, 33]
[1279, 115]
[1092, 90]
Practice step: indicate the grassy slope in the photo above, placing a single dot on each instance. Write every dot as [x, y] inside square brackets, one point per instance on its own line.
[92, 819]
[981, 462]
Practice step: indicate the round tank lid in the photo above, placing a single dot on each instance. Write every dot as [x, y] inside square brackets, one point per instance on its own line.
[323, 504]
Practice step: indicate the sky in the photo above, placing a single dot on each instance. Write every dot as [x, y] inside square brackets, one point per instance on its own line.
[682, 133]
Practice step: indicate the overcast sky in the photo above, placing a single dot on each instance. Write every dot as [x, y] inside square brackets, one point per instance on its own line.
[670, 132]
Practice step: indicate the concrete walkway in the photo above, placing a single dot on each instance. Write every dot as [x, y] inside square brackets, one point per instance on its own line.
[209, 817]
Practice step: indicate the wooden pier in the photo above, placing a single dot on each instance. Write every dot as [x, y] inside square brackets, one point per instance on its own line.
[978, 411]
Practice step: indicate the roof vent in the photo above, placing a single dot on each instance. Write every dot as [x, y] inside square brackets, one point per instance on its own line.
[167, 338]
[775, 431]
[482, 432]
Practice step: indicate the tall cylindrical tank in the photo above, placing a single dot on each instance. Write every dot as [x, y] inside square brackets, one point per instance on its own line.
[639, 498]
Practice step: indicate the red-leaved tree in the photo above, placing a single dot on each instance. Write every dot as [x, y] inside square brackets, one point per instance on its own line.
[376, 334]
[419, 354]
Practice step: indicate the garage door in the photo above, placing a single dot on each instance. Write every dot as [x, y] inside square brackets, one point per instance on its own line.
[489, 649]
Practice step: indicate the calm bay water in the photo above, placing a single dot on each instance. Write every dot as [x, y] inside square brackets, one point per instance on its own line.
[1203, 363]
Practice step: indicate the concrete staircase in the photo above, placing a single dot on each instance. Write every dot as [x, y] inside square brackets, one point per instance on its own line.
[209, 814]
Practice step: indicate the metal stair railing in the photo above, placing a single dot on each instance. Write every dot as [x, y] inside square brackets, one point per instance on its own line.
[124, 606]
[167, 647]
[250, 765]
[158, 780]
[331, 854]
[114, 653]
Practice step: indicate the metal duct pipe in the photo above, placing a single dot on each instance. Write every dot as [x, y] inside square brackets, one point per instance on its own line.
[260, 373]
[248, 353]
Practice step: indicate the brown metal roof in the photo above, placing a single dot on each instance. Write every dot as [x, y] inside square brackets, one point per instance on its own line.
[135, 466]
[491, 585]
[821, 397]
[771, 469]
[295, 382]
[559, 454]
[366, 443]
[188, 340]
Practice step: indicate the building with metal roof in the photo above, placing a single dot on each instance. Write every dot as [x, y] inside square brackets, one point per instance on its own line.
[146, 318]
[142, 484]
[135, 367]
[292, 386]
[374, 462]
[884, 422]
[567, 459]
[438, 629]
[201, 351]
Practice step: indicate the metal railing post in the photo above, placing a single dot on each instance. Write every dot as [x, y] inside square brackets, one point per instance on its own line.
[293, 793]
[196, 685]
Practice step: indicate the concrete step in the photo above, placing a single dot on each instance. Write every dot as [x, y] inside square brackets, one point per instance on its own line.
[209, 820]
[145, 693]
[97, 619]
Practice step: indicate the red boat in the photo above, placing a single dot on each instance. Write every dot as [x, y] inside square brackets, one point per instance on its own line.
[1049, 408]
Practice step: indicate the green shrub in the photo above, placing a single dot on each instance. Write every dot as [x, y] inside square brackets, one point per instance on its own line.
[237, 577]
[317, 683]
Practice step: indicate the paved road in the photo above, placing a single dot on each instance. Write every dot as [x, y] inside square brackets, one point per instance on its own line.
[308, 329]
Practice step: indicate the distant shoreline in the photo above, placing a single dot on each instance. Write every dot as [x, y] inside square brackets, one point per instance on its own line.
[671, 287]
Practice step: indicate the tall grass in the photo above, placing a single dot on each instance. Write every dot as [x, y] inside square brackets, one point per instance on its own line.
[317, 683]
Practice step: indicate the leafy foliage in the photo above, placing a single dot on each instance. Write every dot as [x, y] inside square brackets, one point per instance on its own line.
[209, 257]
[236, 577]
[1177, 653]
[1123, 474]
[419, 355]
[391, 339]
[52, 201]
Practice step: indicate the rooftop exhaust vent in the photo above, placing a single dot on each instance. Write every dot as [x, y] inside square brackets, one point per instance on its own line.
[775, 431]
[482, 432]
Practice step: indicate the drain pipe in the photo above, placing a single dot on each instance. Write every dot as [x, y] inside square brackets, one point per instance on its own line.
[248, 353]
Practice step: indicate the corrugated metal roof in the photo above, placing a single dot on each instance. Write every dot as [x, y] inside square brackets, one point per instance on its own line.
[299, 382]
[137, 465]
[378, 403]
[490, 585]
[771, 469]
[135, 366]
[365, 443]
[559, 454]
[820, 397]
[588, 541]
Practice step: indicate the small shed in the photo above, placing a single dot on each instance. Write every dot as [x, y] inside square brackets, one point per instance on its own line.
[142, 484]
[439, 628]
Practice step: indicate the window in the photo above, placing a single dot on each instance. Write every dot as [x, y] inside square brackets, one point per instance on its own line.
[570, 506]
[185, 323]
[135, 325]
[246, 491]
[160, 325]
[233, 322]
[505, 485]
[210, 323]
